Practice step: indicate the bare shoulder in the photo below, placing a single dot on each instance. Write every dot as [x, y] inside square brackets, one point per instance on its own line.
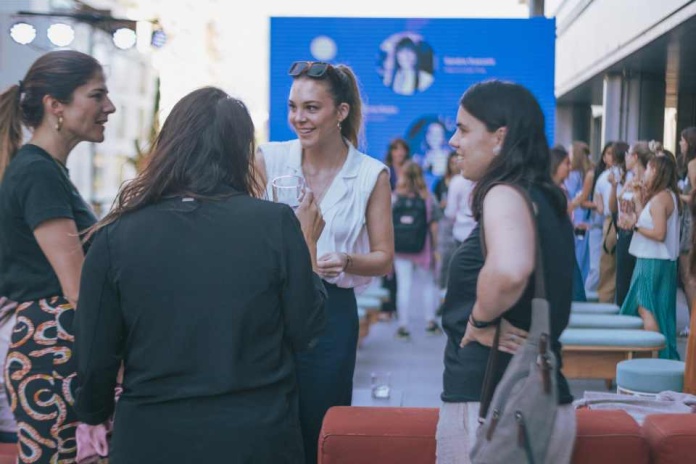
[503, 194]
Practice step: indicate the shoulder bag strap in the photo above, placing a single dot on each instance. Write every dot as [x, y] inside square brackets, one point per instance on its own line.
[539, 292]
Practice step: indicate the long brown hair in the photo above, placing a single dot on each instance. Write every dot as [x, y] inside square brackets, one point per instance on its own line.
[393, 145]
[665, 178]
[57, 74]
[580, 159]
[206, 143]
[412, 180]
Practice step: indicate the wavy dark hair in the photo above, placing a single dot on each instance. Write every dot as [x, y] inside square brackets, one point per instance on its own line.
[600, 167]
[524, 157]
[620, 150]
[205, 145]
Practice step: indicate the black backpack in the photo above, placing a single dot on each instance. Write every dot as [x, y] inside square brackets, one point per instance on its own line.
[410, 224]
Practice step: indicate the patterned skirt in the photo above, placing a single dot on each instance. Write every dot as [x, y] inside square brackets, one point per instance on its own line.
[654, 287]
[40, 374]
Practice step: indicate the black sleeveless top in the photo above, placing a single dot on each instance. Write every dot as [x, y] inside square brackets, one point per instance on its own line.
[465, 367]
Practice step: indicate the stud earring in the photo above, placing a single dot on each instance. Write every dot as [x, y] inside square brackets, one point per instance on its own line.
[496, 150]
[59, 124]
[338, 124]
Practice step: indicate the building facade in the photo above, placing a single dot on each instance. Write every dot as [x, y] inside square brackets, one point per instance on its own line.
[625, 70]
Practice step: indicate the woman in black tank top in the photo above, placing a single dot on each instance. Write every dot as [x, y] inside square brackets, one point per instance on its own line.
[501, 145]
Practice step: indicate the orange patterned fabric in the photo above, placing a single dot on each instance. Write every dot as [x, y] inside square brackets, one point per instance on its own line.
[40, 376]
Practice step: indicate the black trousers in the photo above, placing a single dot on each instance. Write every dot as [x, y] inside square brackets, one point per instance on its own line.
[325, 372]
[625, 262]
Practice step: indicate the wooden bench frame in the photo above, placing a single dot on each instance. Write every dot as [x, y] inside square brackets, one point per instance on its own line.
[599, 362]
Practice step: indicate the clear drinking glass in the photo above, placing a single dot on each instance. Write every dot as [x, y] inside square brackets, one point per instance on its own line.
[288, 190]
[381, 385]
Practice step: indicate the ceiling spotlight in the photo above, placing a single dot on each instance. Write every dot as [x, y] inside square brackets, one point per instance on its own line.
[61, 35]
[125, 38]
[23, 33]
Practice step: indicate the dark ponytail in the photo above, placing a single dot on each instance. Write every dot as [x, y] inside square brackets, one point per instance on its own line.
[10, 126]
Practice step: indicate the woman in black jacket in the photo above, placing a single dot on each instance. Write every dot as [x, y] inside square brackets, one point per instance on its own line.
[204, 293]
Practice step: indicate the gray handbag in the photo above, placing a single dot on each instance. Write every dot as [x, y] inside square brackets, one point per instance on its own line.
[519, 419]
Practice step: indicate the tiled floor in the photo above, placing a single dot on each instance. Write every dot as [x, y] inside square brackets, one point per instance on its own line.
[416, 366]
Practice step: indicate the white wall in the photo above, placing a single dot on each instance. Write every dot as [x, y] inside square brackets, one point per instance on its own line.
[594, 34]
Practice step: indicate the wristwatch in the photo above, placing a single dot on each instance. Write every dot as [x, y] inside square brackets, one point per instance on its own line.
[482, 324]
[635, 228]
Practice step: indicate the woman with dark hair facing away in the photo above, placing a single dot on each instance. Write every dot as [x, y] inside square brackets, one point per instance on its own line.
[655, 244]
[622, 202]
[398, 153]
[561, 168]
[406, 76]
[352, 189]
[502, 146]
[687, 151]
[63, 100]
[612, 158]
[205, 293]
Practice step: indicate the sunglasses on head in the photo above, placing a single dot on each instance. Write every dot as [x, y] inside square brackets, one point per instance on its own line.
[311, 68]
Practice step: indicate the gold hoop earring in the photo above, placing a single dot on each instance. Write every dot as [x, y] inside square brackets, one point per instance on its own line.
[59, 124]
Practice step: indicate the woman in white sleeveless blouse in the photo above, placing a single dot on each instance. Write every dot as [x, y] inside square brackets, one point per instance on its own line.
[655, 243]
[353, 192]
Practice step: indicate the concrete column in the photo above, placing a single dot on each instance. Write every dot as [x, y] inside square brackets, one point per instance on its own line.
[572, 123]
[613, 107]
[645, 118]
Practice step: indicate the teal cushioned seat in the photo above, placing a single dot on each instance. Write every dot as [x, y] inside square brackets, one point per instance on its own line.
[612, 337]
[368, 302]
[604, 321]
[376, 292]
[650, 375]
[594, 308]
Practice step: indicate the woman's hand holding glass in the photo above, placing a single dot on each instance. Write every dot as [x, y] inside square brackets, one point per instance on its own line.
[288, 190]
[311, 222]
[511, 338]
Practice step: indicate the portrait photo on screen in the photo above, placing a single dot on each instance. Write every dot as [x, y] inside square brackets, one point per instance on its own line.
[428, 136]
[406, 63]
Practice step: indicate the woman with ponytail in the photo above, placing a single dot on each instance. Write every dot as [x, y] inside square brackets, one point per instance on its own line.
[62, 101]
[353, 192]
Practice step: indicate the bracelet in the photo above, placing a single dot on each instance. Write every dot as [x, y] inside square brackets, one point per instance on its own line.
[349, 262]
[482, 324]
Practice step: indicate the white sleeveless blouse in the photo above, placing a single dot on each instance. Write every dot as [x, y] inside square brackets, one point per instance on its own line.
[644, 247]
[344, 205]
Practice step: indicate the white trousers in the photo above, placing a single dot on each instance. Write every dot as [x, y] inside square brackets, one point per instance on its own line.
[415, 285]
[596, 239]
[456, 434]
